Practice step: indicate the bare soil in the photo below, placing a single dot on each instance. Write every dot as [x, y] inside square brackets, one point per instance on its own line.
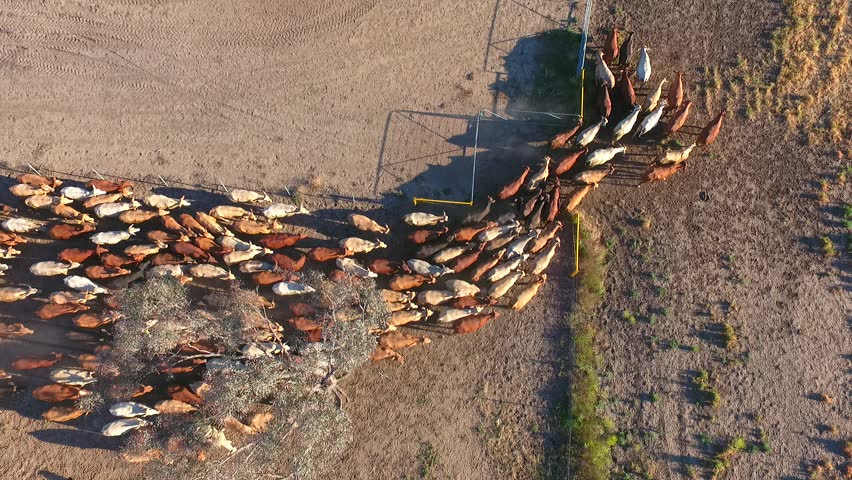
[372, 98]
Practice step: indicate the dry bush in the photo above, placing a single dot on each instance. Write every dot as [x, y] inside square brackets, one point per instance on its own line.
[164, 326]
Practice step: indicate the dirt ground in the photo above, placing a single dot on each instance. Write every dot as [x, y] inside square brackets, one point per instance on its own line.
[358, 101]
[376, 97]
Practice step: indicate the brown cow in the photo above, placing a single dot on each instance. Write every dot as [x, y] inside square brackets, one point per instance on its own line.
[179, 392]
[280, 240]
[303, 324]
[382, 353]
[675, 96]
[188, 222]
[472, 323]
[301, 309]
[420, 237]
[64, 231]
[80, 255]
[324, 254]
[62, 413]
[93, 320]
[11, 239]
[561, 139]
[70, 213]
[55, 393]
[255, 227]
[93, 202]
[33, 362]
[98, 272]
[290, 260]
[53, 310]
[678, 119]
[38, 180]
[468, 302]
[610, 48]
[159, 236]
[10, 330]
[661, 172]
[711, 131]
[465, 260]
[384, 266]
[553, 207]
[134, 217]
[168, 258]
[191, 251]
[568, 161]
[396, 340]
[511, 188]
[171, 224]
[604, 101]
[407, 282]
[625, 89]
[88, 361]
[483, 267]
[466, 234]
[268, 278]
[575, 197]
[544, 236]
[113, 260]
[210, 246]
[107, 186]
[529, 205]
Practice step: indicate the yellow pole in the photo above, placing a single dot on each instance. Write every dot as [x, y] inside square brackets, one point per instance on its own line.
[582, 91]
[450, 202]
[576, 246]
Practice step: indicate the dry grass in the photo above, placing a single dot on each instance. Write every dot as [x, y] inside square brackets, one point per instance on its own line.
[804, 76]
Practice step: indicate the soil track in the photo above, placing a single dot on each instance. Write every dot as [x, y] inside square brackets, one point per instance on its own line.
[267, 95]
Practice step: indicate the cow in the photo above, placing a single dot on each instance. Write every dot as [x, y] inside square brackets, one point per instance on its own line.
[711, 131]
[575, 197]
[419, 237]
[292, 261]
[55, 393]
[420, 219]
[561, 139]
[473, 323]
[484, 267]
[568, 160]
[239, 195]
[254, 227]
[280, 240]
[678, 119]
[540, 262]
[52, 310]
[191, 224]
[476, 216]
[661, 172]
[467, 233]
[14, 294]
[12, 330]
[465, 260]
[107, 186]
[38, 180]
[593, 176]
[114, 209]
[80, 255]
[527, 294]
[610, 48]
[324, 254]
[51, 268]
[212, 225]
[33, 362]
[409, 281]
[99, 272]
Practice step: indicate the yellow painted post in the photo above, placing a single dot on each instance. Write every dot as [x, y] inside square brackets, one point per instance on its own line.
[576, 246]
[451, 202]
[582, 92]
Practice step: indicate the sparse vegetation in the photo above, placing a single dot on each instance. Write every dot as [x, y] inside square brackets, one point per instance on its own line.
[272, 413]
[722, 460]
[628, 316]
[708, 393]
[729, 336]
[591, 434]
[827, 246]
[428, 459]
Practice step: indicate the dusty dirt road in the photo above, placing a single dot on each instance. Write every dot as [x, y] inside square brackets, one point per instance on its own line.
[266, 94]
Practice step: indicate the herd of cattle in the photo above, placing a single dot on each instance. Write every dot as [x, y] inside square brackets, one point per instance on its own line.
[459, 275]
